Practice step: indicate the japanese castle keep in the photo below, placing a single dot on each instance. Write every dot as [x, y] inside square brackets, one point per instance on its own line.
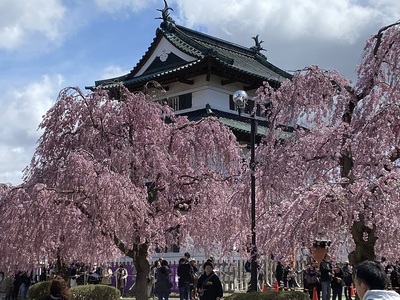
[200, 73]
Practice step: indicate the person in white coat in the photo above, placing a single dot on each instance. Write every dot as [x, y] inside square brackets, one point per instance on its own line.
[106, 274]
[370, 281]
[121, 275]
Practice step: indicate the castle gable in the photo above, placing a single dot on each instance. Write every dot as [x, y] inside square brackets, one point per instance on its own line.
[165, 56]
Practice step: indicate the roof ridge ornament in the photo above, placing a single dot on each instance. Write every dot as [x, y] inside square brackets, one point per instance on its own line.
[257, 48]
[165, 13]
[209, 111]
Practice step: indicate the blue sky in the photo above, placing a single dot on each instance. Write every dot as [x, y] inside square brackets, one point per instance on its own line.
[46, 45]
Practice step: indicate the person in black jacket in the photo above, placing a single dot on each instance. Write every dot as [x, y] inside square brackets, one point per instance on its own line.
[163, 284]
[347, 279]
[279, 273]
[337, 283]
[325, 269]
[209, 286]
[184, 279]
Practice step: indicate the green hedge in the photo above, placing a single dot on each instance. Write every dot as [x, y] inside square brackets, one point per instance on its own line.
[289, 295]
[95, 292]
[40, 290]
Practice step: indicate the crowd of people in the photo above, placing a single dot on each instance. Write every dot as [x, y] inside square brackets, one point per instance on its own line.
[16, 286]
[392, 270]
[325, 277]
[331, 280]
[80, 274]
[328, 278]
[192, 283]
[325, 280]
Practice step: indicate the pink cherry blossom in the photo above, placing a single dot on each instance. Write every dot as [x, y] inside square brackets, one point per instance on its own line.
[337, 174]
[117, 177]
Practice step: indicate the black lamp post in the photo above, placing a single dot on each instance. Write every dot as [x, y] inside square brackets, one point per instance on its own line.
[240, 98]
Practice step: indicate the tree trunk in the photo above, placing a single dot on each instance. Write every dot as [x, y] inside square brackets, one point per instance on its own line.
[142, 267]
[61, 268]
[365, 240]
[139, 254]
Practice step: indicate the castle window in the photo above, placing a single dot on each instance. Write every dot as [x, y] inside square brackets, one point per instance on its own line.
[180, 102]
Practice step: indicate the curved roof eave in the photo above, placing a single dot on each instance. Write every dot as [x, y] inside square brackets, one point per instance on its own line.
[111, 81]
[188, 44]
[155, 75]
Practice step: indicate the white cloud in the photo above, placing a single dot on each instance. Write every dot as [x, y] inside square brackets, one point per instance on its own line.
[323, 20]
[11, 37]
[112, 6]
[21, 111]
[113, 71]
[388, 10]
[23, 21]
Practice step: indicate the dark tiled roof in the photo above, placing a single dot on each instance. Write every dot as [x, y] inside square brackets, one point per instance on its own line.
[237, 123]
[232, 120]
[245, 59]
[127, 80]
[204, 48]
